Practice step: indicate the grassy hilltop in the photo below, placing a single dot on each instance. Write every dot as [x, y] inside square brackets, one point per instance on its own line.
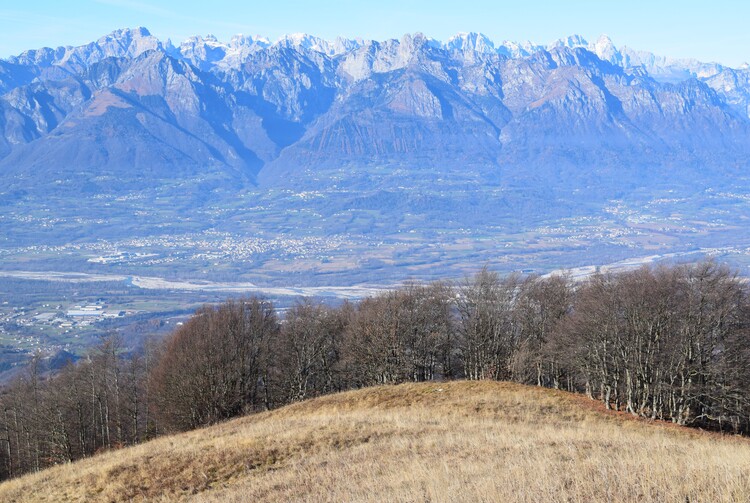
[458, 441]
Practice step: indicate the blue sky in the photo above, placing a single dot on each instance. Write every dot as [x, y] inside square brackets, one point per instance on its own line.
[710, 31]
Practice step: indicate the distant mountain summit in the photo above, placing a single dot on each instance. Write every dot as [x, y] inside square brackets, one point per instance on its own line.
[119, 44]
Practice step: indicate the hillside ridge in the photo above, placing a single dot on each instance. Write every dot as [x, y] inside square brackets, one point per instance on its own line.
[466, 441]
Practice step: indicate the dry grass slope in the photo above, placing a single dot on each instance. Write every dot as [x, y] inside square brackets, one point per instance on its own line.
[461, 441]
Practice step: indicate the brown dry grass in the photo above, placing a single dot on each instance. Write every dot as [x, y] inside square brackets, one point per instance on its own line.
[462, 441]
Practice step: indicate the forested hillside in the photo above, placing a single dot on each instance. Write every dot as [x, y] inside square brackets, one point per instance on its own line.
[668, 343]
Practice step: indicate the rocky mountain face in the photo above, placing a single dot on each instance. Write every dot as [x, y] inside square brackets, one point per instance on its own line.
[129, 110]
[133, 108]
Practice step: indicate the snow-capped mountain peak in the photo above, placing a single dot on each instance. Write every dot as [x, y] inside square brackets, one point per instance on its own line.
[312, 43]
[305, 41]
[513, 49]
[571, 42]
[208, 52]
[241, 40]
[126, 42]
[476, 42]
[203, 52]
[605, 49]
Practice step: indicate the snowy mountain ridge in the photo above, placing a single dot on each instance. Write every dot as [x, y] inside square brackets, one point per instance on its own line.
[207, 51]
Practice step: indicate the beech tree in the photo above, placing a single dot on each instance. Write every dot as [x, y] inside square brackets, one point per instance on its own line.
[486, 324]
[666, 343]
[214, 366]
[543, 303]
[306, 353]
[403, 335]
[373, 352]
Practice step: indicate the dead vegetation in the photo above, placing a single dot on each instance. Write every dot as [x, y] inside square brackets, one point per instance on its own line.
[457, 441]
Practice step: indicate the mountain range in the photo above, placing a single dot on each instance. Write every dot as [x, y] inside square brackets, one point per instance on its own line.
[470, 135]
[132, 107]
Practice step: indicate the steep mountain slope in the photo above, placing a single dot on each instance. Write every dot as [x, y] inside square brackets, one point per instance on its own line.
[149, 118]
[458, 441]
[303, 103]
